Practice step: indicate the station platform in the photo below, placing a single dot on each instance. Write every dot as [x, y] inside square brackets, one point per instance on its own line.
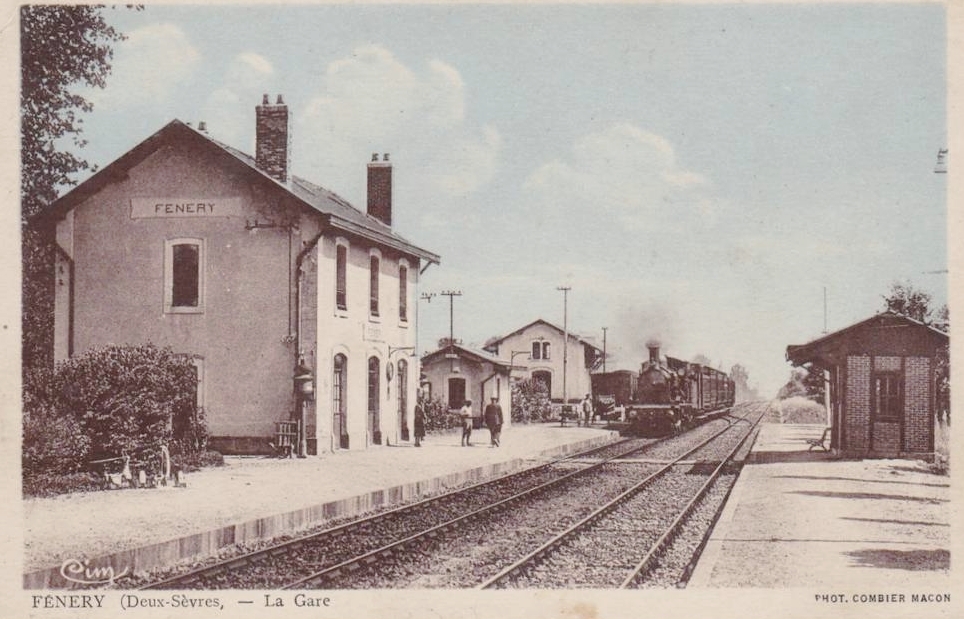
[255, 498]
[799, 518]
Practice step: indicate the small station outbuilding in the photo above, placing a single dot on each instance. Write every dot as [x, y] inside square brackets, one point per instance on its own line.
[456, 373]
[882, 379]
[543, 345]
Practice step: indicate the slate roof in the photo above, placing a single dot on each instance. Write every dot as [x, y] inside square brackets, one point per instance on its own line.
[339, 213]
[471, 353]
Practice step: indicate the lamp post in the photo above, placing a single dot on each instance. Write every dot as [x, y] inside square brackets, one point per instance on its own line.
[304, 383]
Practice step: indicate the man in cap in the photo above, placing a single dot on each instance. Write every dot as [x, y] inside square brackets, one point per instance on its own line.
[493, 419]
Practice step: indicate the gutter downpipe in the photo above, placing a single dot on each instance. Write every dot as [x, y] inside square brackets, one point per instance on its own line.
[302, 430]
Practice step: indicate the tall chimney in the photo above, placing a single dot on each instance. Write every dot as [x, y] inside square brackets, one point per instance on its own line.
[653, 351]
[272, 149]
[380, 189]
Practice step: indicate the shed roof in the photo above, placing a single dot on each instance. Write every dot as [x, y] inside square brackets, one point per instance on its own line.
[338, 212]
[820, 350]
[479, 356]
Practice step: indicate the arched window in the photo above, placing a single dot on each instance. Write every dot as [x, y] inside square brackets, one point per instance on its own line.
[374, 367]
[375, 268]
[341, 277]
[339, 382]
[402, 378]
[403, 293]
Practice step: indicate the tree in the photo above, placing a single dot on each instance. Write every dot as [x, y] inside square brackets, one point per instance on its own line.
[62, 47]
[905, 299]
[806, 381]
[530, 401]
[741, 384]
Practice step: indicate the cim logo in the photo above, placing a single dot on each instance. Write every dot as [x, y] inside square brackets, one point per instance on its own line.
[81, 572]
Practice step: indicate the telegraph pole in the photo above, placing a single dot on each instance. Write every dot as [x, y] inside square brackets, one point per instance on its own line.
[565, 342]
[425, 296]
[604, 348]
[451, 294]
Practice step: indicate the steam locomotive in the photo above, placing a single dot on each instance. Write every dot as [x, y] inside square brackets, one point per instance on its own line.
[669, 395]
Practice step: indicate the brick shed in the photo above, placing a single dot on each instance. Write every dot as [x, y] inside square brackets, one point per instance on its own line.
[882, 379]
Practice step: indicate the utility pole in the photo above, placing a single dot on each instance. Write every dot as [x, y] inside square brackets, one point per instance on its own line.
[425, 296]
[824, 309]
[565, 342]
[604, 349]
[451, 294]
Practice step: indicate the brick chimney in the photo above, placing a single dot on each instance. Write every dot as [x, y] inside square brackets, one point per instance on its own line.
[380, 189]
[272, 149]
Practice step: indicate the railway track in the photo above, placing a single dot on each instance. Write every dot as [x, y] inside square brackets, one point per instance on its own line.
[363, 540]
[469, 551]
[602, 550]
[392, 548]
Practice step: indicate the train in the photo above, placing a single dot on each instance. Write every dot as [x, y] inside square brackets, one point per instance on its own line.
[667, 395]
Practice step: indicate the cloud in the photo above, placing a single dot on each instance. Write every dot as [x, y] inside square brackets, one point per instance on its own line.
[625, 172]
[620, 196]
[228, 109]
[166, 49]
[371, 101]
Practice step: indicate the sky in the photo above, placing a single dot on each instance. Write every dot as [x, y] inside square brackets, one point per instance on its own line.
[699, 174]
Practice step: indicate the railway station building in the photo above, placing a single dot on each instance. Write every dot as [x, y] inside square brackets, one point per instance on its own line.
[540, 346]
[297, 308]
[882, 375]
[455, 373]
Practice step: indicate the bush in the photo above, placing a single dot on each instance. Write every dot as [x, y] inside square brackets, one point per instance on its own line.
[437, 416]
[52, 443]
[799, 409]
[46, 484]
[111, 401]
[530, 402]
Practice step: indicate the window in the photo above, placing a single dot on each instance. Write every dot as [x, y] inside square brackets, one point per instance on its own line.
[540, 350]
[373, 285]
[373, 404]
[184, 276]
[403, 293]
[887, 396]
[402, 377]
[339, 380]
[341, 277]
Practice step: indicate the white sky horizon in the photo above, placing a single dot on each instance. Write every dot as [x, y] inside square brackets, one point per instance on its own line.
[696, 173]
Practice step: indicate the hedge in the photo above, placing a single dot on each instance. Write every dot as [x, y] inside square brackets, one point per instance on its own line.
[108, 402]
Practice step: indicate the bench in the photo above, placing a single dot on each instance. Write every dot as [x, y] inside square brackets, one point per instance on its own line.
[820, 442]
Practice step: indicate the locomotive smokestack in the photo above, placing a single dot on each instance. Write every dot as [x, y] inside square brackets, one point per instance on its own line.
[653, 347]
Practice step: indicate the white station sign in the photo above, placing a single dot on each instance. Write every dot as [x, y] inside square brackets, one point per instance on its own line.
[143, 208]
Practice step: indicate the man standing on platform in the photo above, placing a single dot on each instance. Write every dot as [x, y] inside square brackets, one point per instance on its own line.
[465, 416]
[493, 419]
[587, 410]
